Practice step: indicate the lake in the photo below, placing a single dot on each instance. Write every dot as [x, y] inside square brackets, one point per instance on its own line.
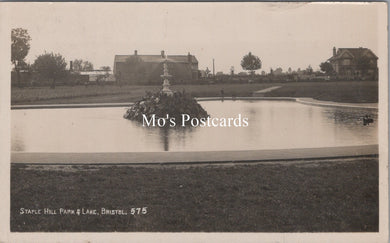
[272, 125]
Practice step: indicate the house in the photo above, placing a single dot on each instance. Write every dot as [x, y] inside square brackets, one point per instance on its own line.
[97, 76]
[354, 62]
[144, 69]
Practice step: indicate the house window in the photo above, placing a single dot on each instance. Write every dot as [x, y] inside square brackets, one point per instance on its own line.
[346, 62]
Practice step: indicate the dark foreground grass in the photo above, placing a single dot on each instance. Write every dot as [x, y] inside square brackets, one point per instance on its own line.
[339, 195]
[338, 91]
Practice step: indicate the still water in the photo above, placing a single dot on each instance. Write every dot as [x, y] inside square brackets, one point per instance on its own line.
[272, 125]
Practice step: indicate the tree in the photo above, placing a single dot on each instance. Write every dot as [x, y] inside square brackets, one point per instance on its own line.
[251, 63]
[207, 72]
[50, 66]
[327, 68]
[20, 45]
[87, 66]
[278, 71]
[105, 68]
[80, 65]
[232, 70]
[309, 70]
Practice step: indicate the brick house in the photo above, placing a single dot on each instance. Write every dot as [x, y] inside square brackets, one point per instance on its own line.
[354, 62]
[147, 69]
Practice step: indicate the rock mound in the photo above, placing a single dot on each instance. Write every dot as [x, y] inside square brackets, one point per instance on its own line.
[165, 106]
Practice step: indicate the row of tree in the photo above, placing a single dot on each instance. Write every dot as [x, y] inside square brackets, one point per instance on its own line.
[53, 66]
[252, 63]
[48, 66]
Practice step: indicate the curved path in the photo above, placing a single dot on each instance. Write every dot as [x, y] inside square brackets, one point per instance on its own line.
[311, 101]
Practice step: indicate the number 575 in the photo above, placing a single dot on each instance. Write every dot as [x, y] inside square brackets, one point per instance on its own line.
[143, 210]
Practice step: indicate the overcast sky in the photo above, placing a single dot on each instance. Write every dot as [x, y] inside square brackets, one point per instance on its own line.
[282, 34]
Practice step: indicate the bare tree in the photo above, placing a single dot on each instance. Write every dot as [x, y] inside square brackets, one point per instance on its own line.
[80, 65]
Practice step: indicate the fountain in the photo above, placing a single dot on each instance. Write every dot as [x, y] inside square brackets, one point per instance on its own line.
[166, 76]
[165, 104]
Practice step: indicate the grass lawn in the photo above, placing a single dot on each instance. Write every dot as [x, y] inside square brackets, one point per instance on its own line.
[337, 195]
[339, 91]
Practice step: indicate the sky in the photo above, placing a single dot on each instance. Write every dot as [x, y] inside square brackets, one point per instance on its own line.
[281, 34]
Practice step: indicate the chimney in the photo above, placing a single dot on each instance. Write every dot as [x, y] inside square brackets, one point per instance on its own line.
[334, 51]
[71, 66]
[162, 54]
[135, 52]
[189, 58]
[213, 68]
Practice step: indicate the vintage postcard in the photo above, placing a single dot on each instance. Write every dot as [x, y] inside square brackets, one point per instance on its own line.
[194, 122]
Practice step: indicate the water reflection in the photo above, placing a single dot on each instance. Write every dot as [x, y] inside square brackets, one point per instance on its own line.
[272, 125]
[164, 133]
[350, 116]
[18, 142]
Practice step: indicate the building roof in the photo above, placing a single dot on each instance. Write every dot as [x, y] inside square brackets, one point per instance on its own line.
[353, 53]
[157, 58]
[94, 72]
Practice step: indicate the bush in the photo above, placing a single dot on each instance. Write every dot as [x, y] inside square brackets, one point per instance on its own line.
[163, 106]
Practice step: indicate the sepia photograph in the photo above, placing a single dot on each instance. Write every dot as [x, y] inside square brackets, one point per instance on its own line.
[204, 118]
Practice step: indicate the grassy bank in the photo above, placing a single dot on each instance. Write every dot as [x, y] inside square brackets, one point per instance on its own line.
[347, 91]
[340, 91]
[339, 195]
